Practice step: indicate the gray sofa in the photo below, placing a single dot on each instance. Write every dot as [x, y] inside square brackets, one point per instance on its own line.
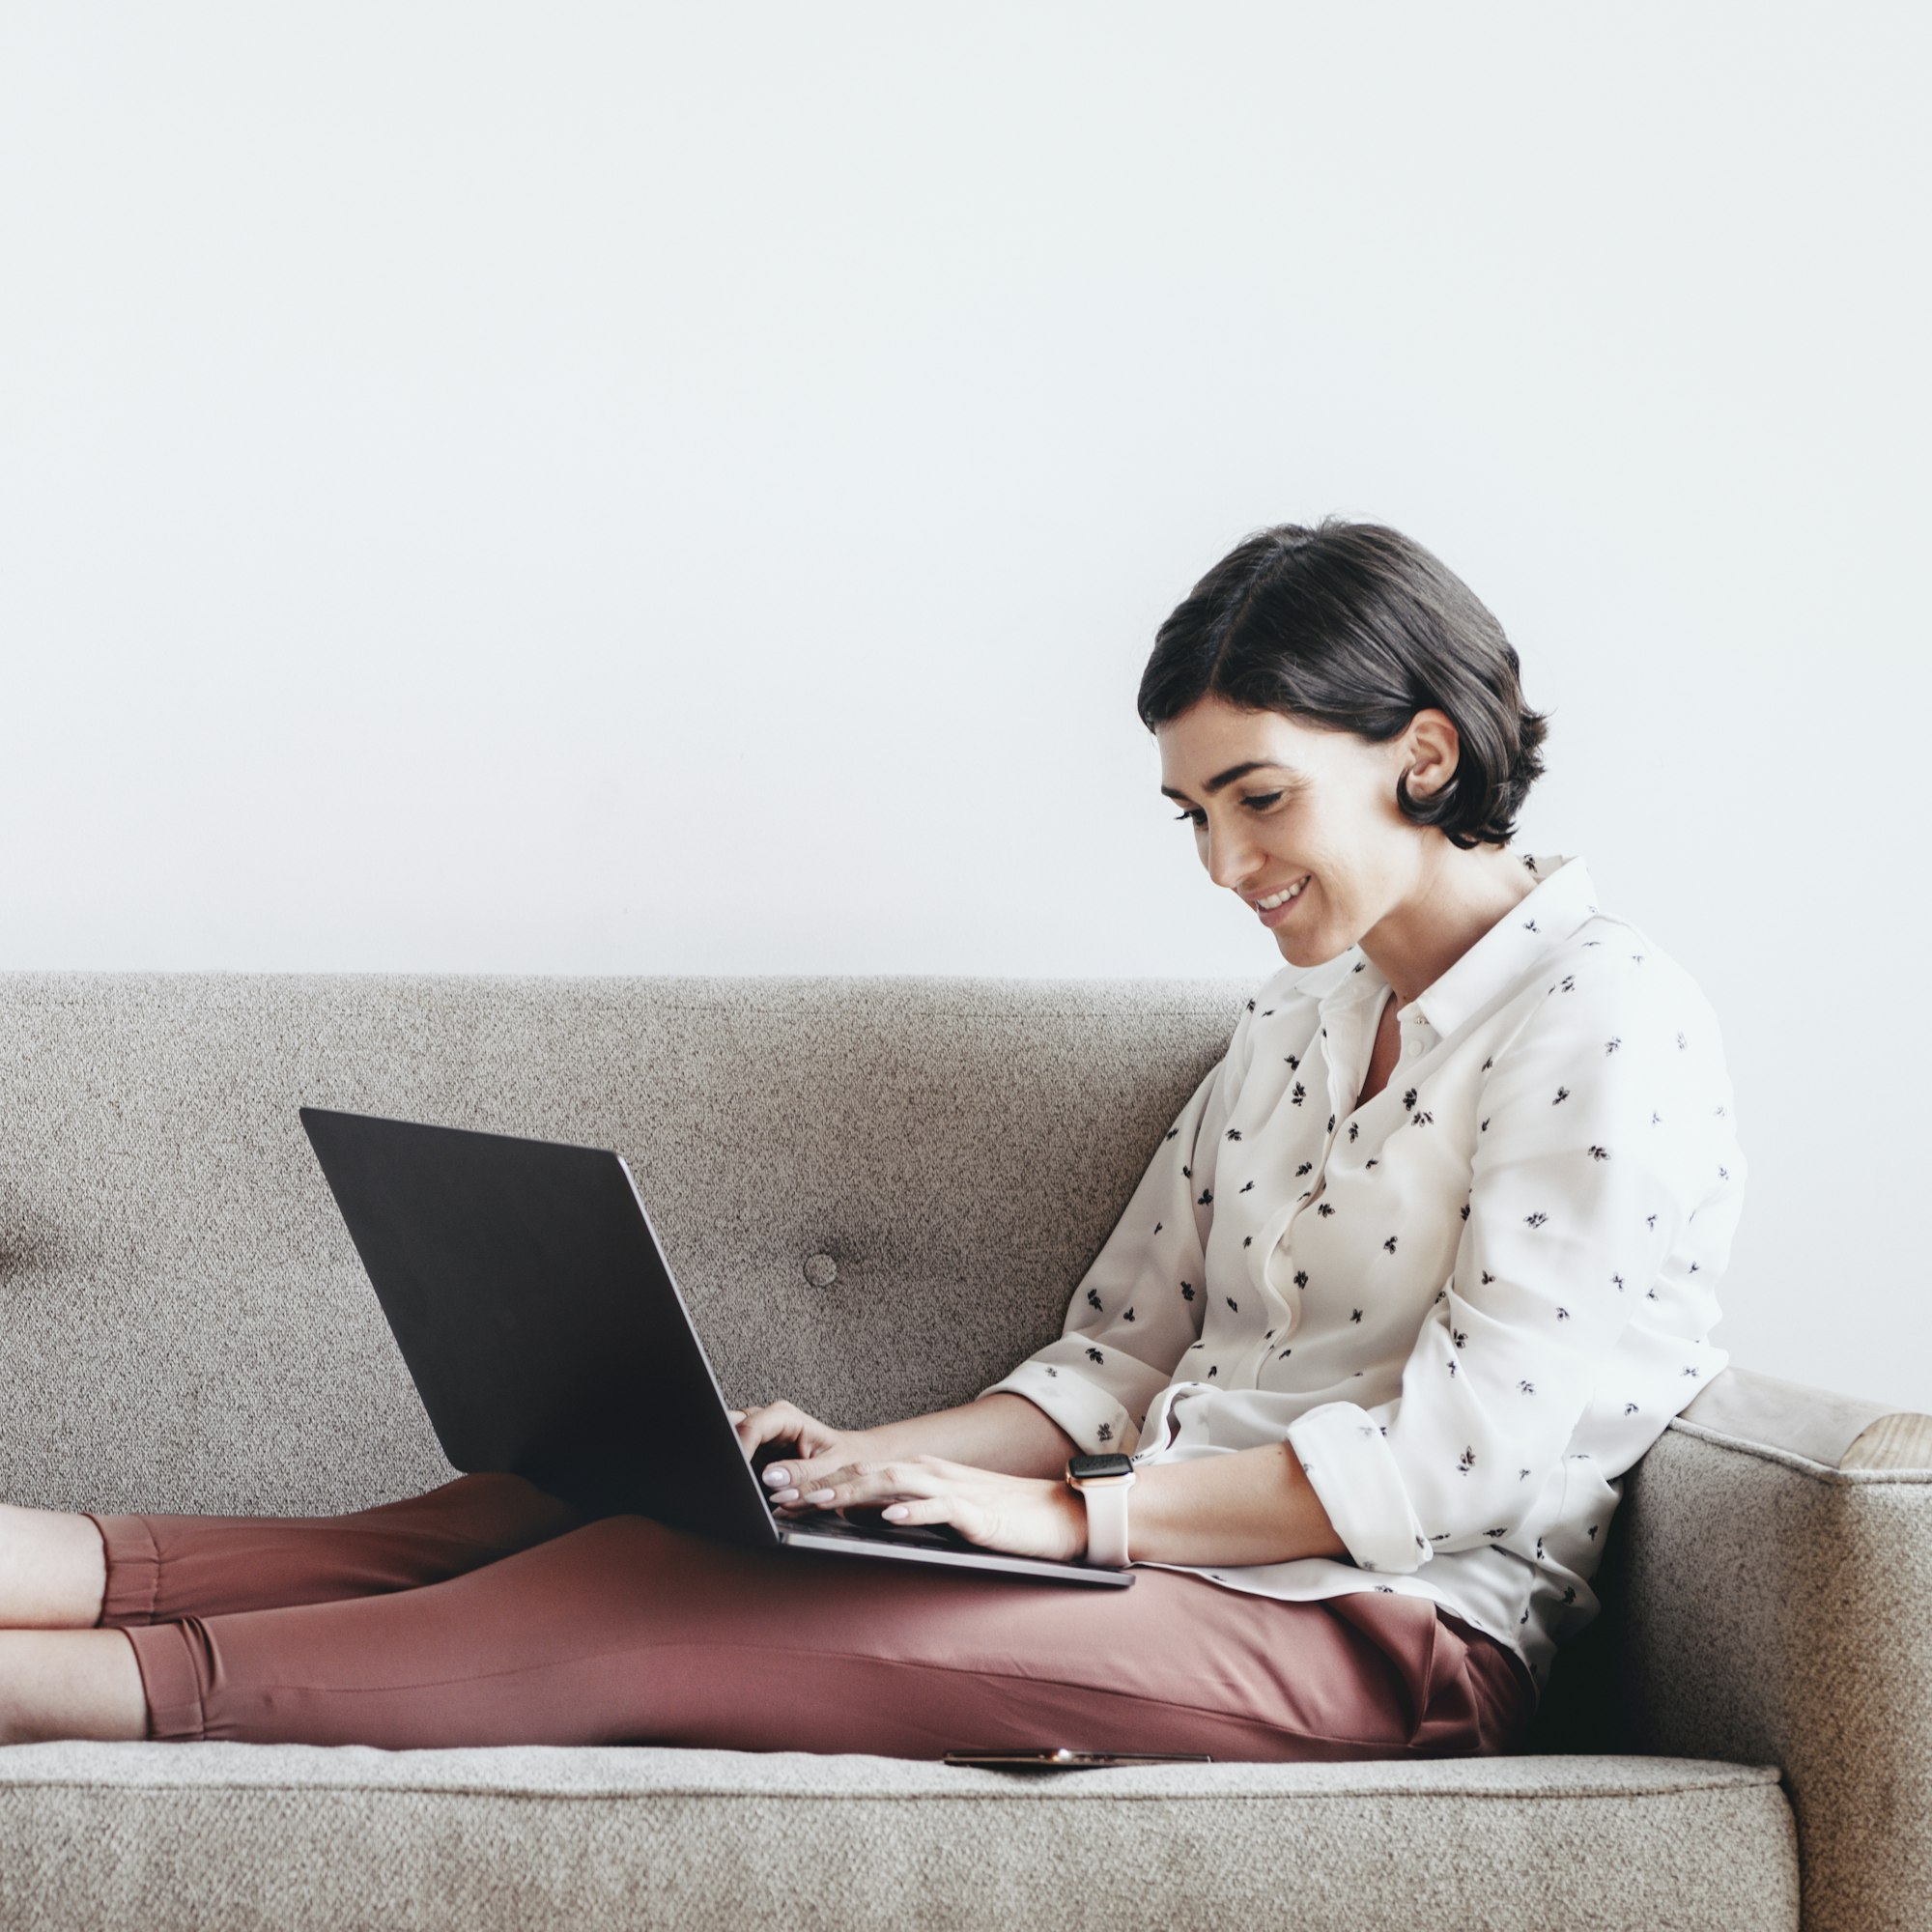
[1742, 1739]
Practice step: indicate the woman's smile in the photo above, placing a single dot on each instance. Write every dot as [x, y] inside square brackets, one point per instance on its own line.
[1274, 915]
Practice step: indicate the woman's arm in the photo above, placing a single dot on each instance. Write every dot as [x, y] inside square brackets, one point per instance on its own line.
[1252, 1506]
[1004, 1432]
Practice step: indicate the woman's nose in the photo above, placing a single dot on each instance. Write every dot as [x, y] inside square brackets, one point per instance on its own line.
[1229, 860]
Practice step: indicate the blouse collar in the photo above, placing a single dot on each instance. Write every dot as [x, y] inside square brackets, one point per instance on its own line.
[1561, 901]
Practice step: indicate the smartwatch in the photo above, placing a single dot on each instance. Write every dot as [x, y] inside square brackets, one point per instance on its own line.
[1104, 1481]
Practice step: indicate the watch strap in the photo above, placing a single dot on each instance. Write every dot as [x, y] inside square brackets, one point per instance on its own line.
[1106, 1498]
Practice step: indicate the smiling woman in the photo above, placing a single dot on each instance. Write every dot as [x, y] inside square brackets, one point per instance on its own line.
[1420, 1269]
[1355, 627]
[1342, 721]
[1428, 1224]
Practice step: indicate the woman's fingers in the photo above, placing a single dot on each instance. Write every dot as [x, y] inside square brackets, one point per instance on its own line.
[855, 1485]
[1024, 1514]
[766, 1422]
[915, 1489]
[779, 1422]
[797, 1485]
[756, 1427]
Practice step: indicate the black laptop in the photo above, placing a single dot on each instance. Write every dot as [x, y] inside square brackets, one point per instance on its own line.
[537, 1313]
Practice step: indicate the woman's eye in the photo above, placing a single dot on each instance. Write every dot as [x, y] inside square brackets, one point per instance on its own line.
[1261, 800]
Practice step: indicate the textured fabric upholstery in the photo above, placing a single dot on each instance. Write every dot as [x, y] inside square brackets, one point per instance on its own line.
[876, 1192]
[1815, 1656]
[189, 1326]
[214, 1837]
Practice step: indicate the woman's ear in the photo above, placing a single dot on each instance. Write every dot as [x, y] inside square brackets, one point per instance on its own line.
[1435, 752]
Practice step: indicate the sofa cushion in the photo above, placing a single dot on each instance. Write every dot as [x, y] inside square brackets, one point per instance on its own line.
[214, 1834]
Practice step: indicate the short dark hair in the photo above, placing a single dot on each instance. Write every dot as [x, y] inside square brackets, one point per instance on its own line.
[1355, 627]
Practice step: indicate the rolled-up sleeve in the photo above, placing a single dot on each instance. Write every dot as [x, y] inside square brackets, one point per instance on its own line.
[1599, 1138]
[1138, 1307]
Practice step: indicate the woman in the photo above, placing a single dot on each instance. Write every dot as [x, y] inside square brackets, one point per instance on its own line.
[1423, 1267]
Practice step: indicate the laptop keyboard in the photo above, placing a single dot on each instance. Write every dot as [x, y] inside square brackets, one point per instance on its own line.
[938, 1535]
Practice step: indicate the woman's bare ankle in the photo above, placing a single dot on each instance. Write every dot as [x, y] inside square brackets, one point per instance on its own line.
[53, 1568]
[70, 1683]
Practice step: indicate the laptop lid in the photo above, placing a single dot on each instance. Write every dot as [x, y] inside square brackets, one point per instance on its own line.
[532, 1304]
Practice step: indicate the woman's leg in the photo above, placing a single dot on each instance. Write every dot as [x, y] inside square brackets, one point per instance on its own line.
[628, 1631]
[63, 1573]
[75, 1569]
[68, 1684]
[52, 1569]
[162, 1567]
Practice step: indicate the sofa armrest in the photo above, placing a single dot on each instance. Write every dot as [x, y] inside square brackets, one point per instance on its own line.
[1774, 1606]
[1838, 1431]
[1898, 1440]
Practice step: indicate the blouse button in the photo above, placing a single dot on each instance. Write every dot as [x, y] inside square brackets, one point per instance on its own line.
[821, 1270]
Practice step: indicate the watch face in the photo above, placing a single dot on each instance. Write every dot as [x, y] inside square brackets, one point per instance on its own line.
[1079, 1468]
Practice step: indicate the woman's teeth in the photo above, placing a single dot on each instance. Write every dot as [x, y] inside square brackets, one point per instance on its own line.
[1281, 898]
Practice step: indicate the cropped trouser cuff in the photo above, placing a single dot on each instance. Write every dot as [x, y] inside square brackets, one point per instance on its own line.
[175, 1661]
[133, 1569]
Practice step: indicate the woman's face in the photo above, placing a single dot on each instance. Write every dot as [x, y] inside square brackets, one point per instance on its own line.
[1275, 800]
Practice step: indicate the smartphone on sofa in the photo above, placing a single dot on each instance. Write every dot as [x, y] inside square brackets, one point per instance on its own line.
[1063, 1759]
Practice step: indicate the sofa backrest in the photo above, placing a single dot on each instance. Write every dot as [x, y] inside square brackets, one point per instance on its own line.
[877, 1194]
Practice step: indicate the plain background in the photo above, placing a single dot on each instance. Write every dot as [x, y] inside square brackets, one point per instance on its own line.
[625, 489]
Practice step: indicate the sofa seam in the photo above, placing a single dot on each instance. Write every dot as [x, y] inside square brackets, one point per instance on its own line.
[1804, 1466]
[1598, 1795]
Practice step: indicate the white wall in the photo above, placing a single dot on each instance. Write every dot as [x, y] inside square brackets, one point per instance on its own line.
[619, 489]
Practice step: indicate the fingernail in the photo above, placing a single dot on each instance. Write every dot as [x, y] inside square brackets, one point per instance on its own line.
[819, 1496]
[775, 1477]
[782, 1497]
[736, 1415]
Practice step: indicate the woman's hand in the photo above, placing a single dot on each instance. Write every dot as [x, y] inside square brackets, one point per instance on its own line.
[818, 1442]
[1028, 1516]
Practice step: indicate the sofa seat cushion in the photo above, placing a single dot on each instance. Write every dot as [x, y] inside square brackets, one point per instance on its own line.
[213, 1835]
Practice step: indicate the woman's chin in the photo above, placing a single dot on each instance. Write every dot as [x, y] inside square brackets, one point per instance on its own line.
[1299, 948]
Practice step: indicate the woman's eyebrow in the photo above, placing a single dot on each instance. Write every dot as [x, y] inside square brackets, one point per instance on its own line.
[1233, 772]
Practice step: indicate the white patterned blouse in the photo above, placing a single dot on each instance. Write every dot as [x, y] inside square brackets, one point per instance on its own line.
[1469, 1305]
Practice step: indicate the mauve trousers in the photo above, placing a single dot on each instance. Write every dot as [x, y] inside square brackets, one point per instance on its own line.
[488, 1612]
